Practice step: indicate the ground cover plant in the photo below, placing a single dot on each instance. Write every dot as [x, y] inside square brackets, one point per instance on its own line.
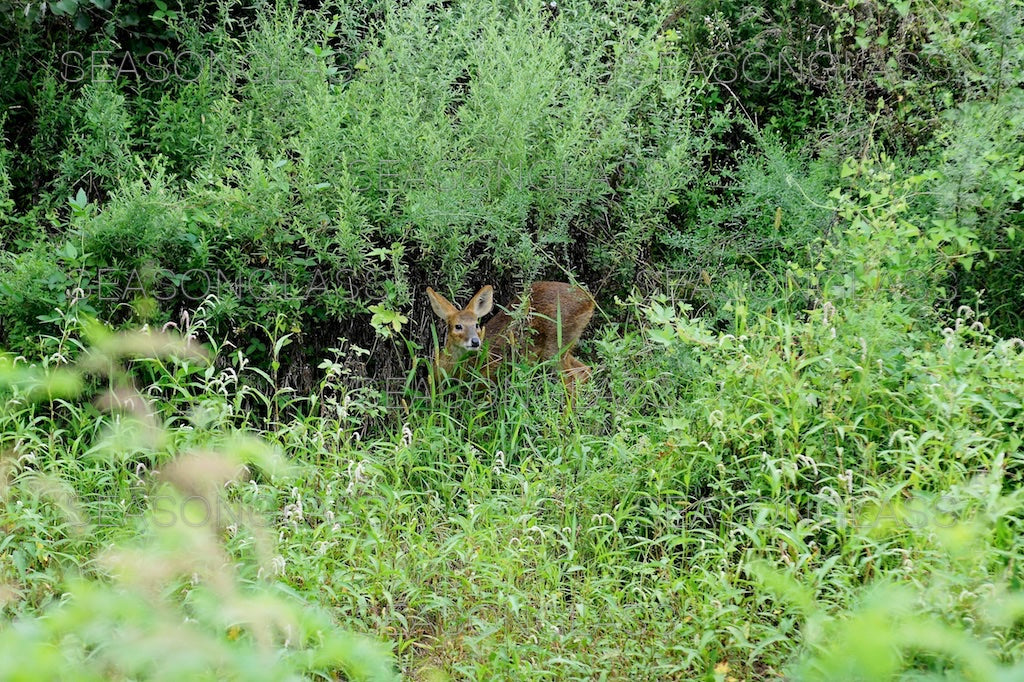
[222, 455]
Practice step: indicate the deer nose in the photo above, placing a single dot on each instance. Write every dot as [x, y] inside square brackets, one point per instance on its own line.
[474, 343]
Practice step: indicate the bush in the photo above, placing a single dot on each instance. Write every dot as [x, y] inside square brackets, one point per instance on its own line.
[481, 147]
[33, 287]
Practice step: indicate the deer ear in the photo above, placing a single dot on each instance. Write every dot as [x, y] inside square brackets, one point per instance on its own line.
[482, 302]
[442, 308]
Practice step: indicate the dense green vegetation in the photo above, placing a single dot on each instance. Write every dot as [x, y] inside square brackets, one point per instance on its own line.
[799, 457]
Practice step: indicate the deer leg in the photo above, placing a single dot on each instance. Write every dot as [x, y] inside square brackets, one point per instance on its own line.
[573, 371]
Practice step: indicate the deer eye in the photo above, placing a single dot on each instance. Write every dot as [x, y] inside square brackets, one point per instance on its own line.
[458, 327]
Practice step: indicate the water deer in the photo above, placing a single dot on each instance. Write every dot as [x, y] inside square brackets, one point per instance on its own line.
[555, 316]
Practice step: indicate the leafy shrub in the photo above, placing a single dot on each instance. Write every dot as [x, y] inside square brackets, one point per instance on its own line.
[32, 286]
[773, 210]
[143, 225]
[977, 194]
[6, 203]
[482, 147]
[865, 427]
[99, 152]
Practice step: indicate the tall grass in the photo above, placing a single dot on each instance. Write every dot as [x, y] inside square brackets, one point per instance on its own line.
[821, 495]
